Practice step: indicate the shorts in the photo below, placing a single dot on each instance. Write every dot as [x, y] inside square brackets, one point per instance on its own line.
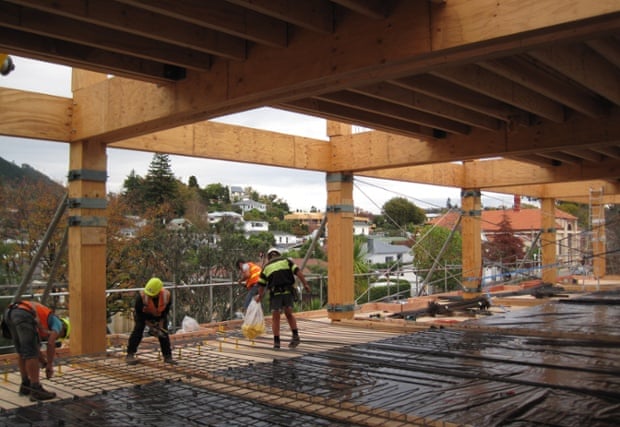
[280, 300]
[24, 331]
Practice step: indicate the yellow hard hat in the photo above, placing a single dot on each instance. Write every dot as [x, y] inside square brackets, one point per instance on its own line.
[153, 287]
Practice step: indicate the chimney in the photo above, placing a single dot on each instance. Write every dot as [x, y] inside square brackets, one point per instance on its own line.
[517, 203]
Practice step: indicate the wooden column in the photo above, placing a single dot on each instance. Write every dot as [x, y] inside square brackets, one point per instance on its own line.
[597, 211]
[548, 241]
[471, 243]
[87, 247]
[340, 288]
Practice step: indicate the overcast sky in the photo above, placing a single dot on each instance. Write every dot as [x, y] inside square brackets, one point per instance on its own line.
[302, 190]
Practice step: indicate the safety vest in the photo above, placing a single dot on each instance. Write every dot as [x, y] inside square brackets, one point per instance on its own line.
[254, 275]
[41, 314]
[149, 305]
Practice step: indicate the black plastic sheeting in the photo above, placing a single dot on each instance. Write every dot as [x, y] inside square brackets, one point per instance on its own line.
[475, 377]
[160, 404]
[557, 364]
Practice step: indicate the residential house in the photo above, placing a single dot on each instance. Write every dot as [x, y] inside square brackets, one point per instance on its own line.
[215, 217]
[527, 224]
[361, 225]
[381, 252]
[246, 205]
[252, 227]
[236, 193]
[286, 240]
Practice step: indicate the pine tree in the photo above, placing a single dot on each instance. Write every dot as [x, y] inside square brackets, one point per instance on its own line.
[160, 185]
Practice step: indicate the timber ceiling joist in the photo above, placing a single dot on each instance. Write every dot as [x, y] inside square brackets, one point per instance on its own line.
[536, 81]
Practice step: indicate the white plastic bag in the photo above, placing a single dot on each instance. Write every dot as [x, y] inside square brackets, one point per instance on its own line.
[254, 321]
[189, 324]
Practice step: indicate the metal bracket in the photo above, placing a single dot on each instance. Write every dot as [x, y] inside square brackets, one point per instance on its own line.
[87, 175]
[87, 203]
[340, 308]
[470, 193]
[88, 221]
[471, 213]
[339, 208]
[339, 177]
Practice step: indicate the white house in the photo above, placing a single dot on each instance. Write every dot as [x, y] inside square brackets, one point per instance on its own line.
[285, 239]
[247, 205]
[236, 192]
[361, 226]
[255, 226]
[379, 252]
[215, 217]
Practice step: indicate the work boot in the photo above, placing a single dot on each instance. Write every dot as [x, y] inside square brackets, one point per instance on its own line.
[24, 388]
[39, 393]
[169, 359]
[131, 359]
[294, 342]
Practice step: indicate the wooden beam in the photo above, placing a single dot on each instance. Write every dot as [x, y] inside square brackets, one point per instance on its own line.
[579, 190]
[402, 44]
[495, 86]
[529, 75]
[422, 102]
[198, 36]
[75, 55]
[33, 115]
[583, 65]
[378, 150]
[362, 102]
[211, 140]
[505, 176]
[70, 30]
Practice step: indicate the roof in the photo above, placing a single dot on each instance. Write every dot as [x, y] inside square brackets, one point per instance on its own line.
[377, 246]
[520, 220]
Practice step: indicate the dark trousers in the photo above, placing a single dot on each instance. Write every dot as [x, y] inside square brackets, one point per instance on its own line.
[136, 337]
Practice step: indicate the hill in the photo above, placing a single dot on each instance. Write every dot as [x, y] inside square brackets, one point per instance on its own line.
[11, 173]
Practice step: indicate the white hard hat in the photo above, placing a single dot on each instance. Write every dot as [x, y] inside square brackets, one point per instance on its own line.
[273, 251]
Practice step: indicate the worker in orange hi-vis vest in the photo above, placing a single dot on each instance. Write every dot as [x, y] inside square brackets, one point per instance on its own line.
[250, 273]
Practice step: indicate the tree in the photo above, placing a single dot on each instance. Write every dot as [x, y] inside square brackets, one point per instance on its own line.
[504, 246]
[160, 185]
[426, 248]
[401, 212]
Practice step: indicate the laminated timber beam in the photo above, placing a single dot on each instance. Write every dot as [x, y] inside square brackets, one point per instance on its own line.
[34, 115]
[235, 143]
[380, 150]
[416, 38]
[494, 175]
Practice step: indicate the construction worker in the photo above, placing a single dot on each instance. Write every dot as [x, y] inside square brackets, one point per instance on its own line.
[151, 309]
[250, 273]
[31, 323]
[278, 276]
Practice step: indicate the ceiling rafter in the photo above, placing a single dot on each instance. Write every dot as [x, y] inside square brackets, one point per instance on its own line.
[388, 109]
[422, 102]
[459, 95]
[151, 25]
[313, 15]
[69, 30]
[583, 65]
[528, 75]
[492, 85]
[225, 18]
